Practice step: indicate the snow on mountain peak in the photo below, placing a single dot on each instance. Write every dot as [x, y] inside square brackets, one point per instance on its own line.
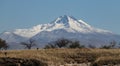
[71, 24]
[67, 23]
[64, 19]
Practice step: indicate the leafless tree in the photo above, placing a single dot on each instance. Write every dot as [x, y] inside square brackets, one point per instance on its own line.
[3, 44]
[29, 44]
[62, 43]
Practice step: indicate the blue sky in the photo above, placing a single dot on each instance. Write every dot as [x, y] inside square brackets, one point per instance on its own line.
[104, 14]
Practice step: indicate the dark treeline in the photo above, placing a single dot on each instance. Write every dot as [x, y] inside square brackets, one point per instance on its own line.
[60, 43]
[65, 43]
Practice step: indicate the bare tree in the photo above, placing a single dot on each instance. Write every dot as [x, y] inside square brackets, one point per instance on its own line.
[75, 44]
[3, 44]
[29, 44]
[62, 42]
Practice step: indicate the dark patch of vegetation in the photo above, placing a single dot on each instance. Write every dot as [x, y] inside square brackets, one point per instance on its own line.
[3, 44]
[29, 44]
[110, 46]
[109, 61]
[64, 43]
[6, 61]
[75, 44]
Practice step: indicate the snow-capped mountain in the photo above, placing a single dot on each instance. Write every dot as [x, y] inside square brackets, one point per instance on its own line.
[62, 27]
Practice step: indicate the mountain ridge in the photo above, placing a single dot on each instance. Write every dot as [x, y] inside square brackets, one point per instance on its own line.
[62, 27]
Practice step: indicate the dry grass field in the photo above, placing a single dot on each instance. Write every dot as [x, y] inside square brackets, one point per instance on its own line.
[57, 57]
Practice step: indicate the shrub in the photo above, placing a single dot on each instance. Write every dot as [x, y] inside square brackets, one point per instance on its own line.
[3, 44]
[64, 43]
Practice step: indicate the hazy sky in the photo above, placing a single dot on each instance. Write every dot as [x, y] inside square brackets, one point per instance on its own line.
[104, 14]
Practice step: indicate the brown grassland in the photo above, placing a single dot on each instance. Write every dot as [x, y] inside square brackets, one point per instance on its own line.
[97, 57]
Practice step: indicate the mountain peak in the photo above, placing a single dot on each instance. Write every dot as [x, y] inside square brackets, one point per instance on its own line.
[64, 19]
[71, 22]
